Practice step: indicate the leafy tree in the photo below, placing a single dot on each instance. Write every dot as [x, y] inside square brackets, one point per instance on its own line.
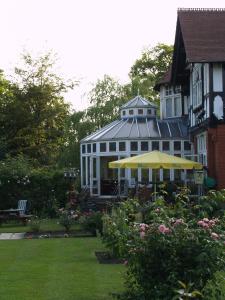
[148, 69]
[105, 98]
[35, 117]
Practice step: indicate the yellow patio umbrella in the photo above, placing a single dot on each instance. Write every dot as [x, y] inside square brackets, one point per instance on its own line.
[155, 160]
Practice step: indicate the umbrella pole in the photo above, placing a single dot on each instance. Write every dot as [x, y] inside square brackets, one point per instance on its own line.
[155, 184]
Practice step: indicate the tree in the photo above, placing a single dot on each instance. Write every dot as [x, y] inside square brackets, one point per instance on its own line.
[35, 118]
[149, 69]
[106, 98]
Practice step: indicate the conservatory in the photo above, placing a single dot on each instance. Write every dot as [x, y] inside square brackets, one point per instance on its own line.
[138, 130]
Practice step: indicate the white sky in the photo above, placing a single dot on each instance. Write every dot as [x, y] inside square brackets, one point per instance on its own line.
[91, 37]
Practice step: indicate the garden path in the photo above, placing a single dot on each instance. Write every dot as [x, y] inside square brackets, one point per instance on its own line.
[12, 236]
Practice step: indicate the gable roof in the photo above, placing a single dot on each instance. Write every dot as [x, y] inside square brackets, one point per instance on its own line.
[138, 101]
[203, 32]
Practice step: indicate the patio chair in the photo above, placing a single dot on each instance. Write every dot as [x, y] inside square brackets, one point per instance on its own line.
[22, 206]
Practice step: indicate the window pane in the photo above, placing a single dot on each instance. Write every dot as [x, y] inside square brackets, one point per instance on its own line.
[149, 111]
[94, 147]
[102, 147]
[94, 168]
[84, 170]
[187, 146]
[83, 148]
[122, 146]
[144, 146]
[166, 174]
[166, 146]
[177, 106]
[124, 112]
[140, 111]
[169, 107]
[155, 146]
[131, 112]
[112, 146]
[133, 146]
[89, 148]
[177, 146]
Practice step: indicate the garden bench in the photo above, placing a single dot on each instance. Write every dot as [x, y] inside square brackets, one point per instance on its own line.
[18, 214]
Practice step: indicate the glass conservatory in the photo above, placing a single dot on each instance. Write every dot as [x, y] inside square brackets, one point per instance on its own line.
[138, 130]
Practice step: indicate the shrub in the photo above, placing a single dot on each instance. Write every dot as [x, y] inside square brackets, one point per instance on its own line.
[215, 287]
[92, 222]
[174, 244]
[67, 218]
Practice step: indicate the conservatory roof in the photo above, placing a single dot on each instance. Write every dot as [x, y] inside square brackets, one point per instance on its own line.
[141, 128]
[137, 102]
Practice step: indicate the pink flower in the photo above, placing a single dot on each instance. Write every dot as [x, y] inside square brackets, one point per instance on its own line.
[206, 220]
[178, 222]
[143, 226]
[205, 225]
[214, 236]
[212, 223]
[163, 229]
[200, 223]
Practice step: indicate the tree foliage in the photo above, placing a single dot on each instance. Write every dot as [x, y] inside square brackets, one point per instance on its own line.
[33, 118]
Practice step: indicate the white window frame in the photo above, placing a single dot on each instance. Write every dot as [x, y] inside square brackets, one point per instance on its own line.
[197, 86]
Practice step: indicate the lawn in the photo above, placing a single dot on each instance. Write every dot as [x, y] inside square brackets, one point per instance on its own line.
[46, 225]
[52, 269]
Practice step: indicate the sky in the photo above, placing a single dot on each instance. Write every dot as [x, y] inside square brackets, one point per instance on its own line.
[90, 37]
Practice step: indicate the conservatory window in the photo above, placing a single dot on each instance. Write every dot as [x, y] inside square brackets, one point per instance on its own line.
[166, 146]
[140, 111]
[112, 146]
[134, 146]
[177, 145]
[102, 147]
[144, 146]
[149, 111]
[83, 148]
[124, 112]
[94, 147]
[89, 148]
[155, 146]
[122, 146]
[131, 112]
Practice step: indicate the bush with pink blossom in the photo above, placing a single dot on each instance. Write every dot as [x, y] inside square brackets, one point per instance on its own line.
[172, 242]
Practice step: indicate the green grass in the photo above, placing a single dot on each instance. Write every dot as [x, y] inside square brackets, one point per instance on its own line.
[56, 269]
[46, 225]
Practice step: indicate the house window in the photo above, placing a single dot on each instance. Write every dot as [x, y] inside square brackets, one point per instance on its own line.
[196, 86]
[144, 146]
[112, 146]
[187, 146]
[134, 146]
[83, 148]
[201, 148]
[89, 148]
[102, 147]
[94, 147]
[166, 146]
[131, 112]
[124, 112]
[149, 111]
[122, 146]
[169, 90]
[169, 109]
[140, 111]
[177, 146]
[155, 146]
[177, 89]
[177, 107]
